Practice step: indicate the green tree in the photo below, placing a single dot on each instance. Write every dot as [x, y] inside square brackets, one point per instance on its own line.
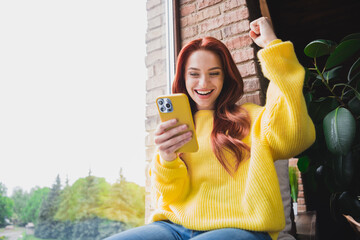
[50, 205]
[6, 205]
[125, 203]
[82, 199]
[20, 198]
[32, 209]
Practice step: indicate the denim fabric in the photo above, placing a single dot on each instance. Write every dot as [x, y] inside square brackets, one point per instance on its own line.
[166, 230]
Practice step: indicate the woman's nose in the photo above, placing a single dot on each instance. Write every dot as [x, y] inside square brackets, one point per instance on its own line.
[203, 80]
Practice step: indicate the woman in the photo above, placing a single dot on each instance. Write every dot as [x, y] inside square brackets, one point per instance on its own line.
[229, 188]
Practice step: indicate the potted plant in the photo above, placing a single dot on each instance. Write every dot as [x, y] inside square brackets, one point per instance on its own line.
[332, 94]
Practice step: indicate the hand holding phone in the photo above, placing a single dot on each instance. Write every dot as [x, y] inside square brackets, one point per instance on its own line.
[176, 133]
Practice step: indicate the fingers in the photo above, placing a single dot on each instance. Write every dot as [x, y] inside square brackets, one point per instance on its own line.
[166, 135]
[175, 143]
[169, 138]
[165, 125]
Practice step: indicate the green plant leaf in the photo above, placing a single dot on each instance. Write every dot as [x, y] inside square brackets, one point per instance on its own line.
[339, 130]
[342, 52]
[354, 105]
[333, 73]
[356, 76]
[318, 109]
[319, 48]
[293, 179]
[303, 164]
[351, 36]
[343, 167]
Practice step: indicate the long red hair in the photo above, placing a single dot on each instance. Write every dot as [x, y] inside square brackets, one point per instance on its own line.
[231, 122]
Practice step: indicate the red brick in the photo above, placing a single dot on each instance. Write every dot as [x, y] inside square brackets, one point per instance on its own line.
[301, 187]
[231, 4]
[238, 42]
[301, 201]
[293, 162]
[188, 21]
[251, 84]
[247, 69]
[243, 55]
[301, 208]
[185, 1]
[207, 3]
[236, 16]
[187, 9]
[212, 24]
[236, 28]
[207, 13]
[251, 98]
[301, 194]
[189, 32]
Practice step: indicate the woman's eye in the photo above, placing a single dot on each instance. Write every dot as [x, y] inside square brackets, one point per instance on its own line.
[193, 74]
[214, 73]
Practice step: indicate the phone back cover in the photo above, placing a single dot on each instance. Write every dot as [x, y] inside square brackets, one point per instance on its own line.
[182, 112]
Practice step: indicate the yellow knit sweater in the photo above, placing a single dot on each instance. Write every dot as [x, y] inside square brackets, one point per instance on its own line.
[198, 193]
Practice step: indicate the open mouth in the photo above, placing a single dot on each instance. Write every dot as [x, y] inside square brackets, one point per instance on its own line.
[203, 93]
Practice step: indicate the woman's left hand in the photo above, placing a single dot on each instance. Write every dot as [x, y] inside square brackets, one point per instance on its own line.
[262, 32]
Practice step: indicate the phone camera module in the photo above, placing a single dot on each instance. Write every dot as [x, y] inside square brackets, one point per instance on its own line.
[160, 102]
[168, 105]
[162, 109]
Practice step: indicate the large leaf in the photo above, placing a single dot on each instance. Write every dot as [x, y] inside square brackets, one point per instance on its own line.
[343, 168]
[318, 109]
[351, 36]
[354, 105]
[333, 73]
[303, 163]
[351, 75]
[342, 52]
[339, 130]
[319, 48]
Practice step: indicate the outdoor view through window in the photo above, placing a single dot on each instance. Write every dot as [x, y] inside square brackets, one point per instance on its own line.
[72, 118]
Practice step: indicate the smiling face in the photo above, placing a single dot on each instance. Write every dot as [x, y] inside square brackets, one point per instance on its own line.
[204, 78]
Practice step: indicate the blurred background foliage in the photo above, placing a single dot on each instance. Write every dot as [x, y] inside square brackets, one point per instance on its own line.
[90, 208]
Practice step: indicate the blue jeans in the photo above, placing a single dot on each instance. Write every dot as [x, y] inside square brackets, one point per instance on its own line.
[166, 230]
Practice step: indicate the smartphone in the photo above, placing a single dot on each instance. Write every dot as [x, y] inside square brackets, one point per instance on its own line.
[177, 106]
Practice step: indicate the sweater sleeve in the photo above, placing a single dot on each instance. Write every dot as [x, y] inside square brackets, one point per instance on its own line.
[285, 123]
[169, 181]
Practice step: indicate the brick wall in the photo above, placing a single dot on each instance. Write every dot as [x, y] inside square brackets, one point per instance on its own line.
[227, 20]
[156, 83]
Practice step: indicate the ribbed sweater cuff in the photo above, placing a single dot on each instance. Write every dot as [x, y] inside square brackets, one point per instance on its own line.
[171, 164]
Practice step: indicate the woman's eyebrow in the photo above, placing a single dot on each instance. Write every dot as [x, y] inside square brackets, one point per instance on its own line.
[213, 68]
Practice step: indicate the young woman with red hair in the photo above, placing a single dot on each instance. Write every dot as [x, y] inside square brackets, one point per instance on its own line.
[229, 188]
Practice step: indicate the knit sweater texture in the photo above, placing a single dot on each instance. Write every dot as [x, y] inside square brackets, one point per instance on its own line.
[196, 191]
